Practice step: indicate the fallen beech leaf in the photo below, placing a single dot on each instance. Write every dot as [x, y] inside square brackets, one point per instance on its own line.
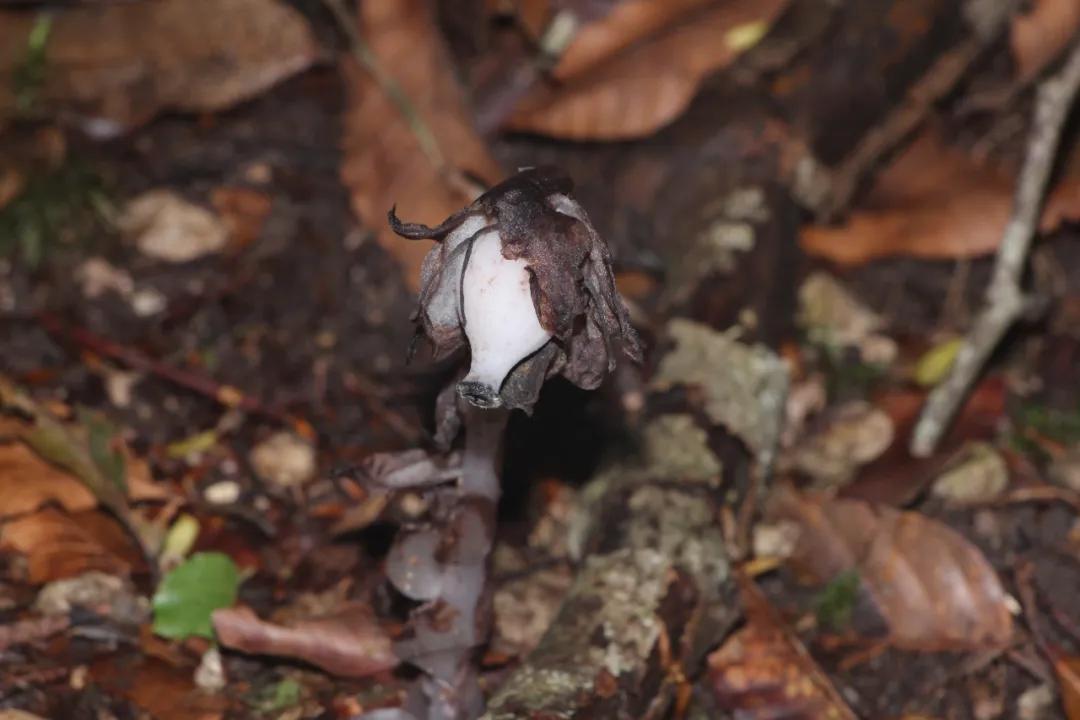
[161, 689]
[118, 64]
[165, 226]
[934, 202]
[385, 163]
[1067, 669]
[628, 22]
[1040, 35]
[28, 481]
[933, 589]
[58, 545]
[348, 642]
[763, 671]
[848, 437]
[650, 82]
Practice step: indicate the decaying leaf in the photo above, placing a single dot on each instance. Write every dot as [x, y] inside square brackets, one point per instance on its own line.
[386, 161]
[1040, 35]
[663, 51]
[348, 642]
[849, 436]
[115, 65]
[525, 242]
[55, 463]
[58, 545]
[167, 227]
[934, 202]
[1067, 669]
[932, 588]
[763, 671]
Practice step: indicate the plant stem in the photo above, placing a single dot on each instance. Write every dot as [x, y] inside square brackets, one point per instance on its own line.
[484, 430]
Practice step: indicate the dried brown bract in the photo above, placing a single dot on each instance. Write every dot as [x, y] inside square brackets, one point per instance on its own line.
[524, 279]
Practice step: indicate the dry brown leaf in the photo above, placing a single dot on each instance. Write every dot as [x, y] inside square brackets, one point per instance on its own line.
[653, 79]
[58, 545]
[157, 687]
[933, 588]
[934, 202]
[1039, 36]
[27, 482]
[348, 643]
[243, 211]
[124, 62]
[629, 21]
[1067, 669]
[385, 163]
[763, 670]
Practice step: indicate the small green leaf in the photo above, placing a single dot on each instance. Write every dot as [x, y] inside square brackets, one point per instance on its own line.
[279, 696]
[935, 364]
[180, 539]
[189, 595]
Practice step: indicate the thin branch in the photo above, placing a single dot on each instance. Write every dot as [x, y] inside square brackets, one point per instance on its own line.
[228, 395]
[1005, 300]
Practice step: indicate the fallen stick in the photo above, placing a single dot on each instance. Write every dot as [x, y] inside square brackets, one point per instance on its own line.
[1005, 301]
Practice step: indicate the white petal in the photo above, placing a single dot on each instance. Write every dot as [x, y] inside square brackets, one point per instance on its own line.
[500, 317]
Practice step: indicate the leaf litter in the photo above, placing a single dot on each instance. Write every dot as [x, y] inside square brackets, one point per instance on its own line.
[632, 69]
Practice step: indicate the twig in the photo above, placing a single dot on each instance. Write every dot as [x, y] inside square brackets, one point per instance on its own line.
[1005, 301]
[227, 395]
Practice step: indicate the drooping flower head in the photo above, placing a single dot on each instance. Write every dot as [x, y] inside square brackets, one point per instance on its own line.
[522, 277]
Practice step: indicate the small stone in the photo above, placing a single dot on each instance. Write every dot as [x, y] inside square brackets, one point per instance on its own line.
[225, 492]
[96, 276]
[1036, 703]
[167, 227]
[1065, 470]
[96, 590]
[210, 675]
[118, 386]
[981, 474]
[146, 302]
[775, 540]
[284, 459]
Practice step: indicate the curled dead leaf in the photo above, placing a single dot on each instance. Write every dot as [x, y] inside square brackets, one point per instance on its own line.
[348, 642]
[1040, 35]
[58, 545]
[933, 589]
[663, 51]
[115, 65]
[934, 202]
[386, 162]
[763, 670]
[28, 482]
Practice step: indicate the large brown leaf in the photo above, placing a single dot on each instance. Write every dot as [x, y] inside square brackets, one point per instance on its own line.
[348, 642]
[763, 671]
[636, 70]
[937, 202]
[58, 545]
[27, 482]
[1040, 35]
[124, 62]
[933, 589]
[386, 163]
